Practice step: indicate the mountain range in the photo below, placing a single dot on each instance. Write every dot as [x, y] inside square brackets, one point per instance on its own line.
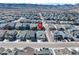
[17, 6]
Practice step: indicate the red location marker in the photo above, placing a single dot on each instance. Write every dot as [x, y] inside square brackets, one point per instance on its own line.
[39, 25]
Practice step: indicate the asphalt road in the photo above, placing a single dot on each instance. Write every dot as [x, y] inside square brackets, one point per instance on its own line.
[47, 31]
[39, 45]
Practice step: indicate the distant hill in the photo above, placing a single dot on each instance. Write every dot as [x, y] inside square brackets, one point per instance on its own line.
[17, 6]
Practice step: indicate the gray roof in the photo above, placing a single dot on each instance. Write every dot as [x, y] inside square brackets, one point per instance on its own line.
[18, 25]
[25, 24]
[44, 52]
[20, 52]
[64, 51]
[30, 34]
[3, 25]
[21, 35]
[2, 21]
[24, 20]
[40, 35]
[2, 49]
[33, 25]
[12, 24]
[59, 33]
[2, 33]
[11, 33]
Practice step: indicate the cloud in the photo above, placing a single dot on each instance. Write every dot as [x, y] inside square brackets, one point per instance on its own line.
[40, 1]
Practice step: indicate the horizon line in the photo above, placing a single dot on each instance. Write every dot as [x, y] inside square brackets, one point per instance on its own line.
[43, 3]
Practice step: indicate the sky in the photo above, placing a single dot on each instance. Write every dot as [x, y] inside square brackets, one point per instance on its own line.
[41, 1]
